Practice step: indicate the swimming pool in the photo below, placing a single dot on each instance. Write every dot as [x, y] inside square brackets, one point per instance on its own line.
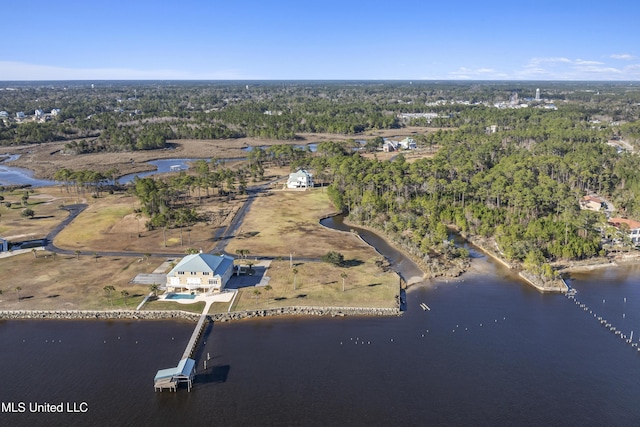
[180, 296]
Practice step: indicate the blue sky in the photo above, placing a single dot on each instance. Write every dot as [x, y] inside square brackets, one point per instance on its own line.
[409, 40]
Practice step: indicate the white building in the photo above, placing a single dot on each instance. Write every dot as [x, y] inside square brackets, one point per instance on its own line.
[632, 226]
[55, 112]
[408, 143]
[390, 145]
[300, 179]
[200, 273]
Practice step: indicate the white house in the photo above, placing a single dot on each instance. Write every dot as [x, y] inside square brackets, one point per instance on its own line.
[300, 179]
[408, 143]
[389, 145]
[55, 112]
[591, 203]
[632, 225]
[200, 273]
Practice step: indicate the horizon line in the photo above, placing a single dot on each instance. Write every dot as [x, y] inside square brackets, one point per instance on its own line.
[327, 80]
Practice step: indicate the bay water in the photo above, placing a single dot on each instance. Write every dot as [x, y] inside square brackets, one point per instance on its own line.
[490, 351]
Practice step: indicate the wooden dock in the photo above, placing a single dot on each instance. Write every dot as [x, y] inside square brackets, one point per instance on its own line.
[168, 379]
[165, 383]
[188, 352]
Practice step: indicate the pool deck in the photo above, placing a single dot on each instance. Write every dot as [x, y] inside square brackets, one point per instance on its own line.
[225, 296]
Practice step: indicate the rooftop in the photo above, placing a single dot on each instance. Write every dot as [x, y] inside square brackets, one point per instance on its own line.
[216, 264]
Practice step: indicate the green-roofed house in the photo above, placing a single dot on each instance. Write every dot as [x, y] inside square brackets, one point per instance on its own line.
[200, 273]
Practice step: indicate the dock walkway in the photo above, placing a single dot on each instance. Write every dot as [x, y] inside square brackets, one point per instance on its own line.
[195, 336]
[185, 371]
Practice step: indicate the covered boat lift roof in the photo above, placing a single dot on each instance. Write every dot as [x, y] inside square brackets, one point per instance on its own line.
[171, 377]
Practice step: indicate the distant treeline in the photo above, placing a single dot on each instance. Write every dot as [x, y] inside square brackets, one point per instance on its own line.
[139, 116]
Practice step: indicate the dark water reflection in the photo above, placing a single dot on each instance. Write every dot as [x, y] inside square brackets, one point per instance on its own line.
[492, 351]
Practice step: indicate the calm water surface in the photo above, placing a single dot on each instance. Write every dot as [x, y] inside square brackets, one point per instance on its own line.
[491, 351]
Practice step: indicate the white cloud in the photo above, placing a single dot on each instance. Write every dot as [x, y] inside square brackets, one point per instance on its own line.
[560, 68]
[476, 73]
[584, 62]
[551, 60]
[623, 56]
[10, 70]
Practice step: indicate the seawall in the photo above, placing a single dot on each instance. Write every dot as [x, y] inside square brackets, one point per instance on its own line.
[184, 315]
[305, 311]
[99, 314]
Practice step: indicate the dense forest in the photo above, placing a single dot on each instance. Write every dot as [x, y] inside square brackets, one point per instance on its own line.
[519, 188]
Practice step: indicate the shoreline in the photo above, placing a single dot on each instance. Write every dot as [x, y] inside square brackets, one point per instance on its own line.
[557, 285]
[408, 281]
[194, 317]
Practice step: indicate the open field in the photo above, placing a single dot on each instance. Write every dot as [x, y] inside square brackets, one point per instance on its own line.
[64, 282]
[409, 155]
[45, 203]
[110, 224]
[278, 223]
[288, 221]
[320, 284]
[45, 159]
[282, 222]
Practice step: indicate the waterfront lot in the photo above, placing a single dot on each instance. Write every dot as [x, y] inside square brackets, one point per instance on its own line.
[286, 223]
[319, 284]
[67, 282]
[278, 223]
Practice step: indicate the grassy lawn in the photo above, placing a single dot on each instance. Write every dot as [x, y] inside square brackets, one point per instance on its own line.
[45, 203]
[66, 283]
[320, 284]
[110, 224]
[196, 307]
[281, 222]
[278, 223]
